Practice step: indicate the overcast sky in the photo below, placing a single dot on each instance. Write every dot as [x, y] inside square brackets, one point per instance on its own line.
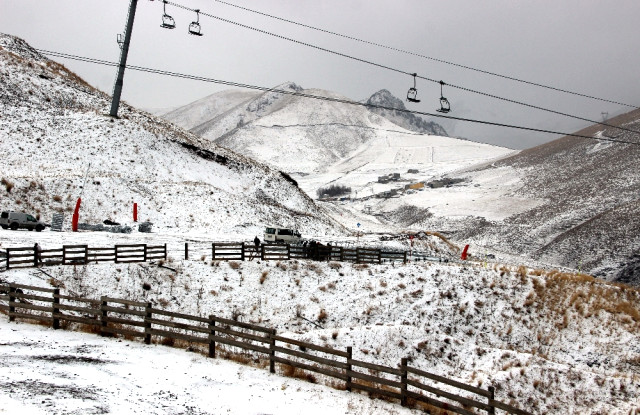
[587, 46]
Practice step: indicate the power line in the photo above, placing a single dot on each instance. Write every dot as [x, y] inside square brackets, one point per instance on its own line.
[511, 78]
[330, 99]
[344, 55]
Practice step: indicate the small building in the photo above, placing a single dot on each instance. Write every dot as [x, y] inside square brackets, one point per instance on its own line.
[413, 171]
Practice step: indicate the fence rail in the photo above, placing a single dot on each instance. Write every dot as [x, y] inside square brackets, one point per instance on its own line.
[33, 256]
[110, 316]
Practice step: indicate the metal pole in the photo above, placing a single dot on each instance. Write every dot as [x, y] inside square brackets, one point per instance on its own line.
[117, 88]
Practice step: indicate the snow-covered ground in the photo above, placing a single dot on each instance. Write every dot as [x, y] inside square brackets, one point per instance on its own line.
[549, 342]
[58, 372]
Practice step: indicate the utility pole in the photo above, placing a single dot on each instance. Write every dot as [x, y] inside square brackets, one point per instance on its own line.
[117, 88]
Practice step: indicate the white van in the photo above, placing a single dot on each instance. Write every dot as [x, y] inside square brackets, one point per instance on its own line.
[17, 220]
[286, 235]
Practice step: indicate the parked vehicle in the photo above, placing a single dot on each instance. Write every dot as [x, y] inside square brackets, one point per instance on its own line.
[19, 220]
[285, 235]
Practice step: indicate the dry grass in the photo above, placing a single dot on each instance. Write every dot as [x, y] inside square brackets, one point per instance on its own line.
[234, 265]
[263, 276]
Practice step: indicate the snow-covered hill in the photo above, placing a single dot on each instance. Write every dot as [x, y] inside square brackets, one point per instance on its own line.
[300, 135]
[58, 145]
[549, 342]
[576, 202]
[411, 122]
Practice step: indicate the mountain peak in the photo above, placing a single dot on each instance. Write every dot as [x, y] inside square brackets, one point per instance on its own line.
[411, 122]
[385, 98]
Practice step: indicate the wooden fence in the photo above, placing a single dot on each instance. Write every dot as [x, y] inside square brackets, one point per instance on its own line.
[241, 251]
[82, 254]
[133, 319]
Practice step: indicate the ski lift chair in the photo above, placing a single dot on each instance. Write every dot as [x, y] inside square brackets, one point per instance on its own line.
[194, 27]
[412, 94]
[445, 107]
[167, 21]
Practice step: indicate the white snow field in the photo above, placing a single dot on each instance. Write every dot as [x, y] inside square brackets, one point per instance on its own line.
[57, 372]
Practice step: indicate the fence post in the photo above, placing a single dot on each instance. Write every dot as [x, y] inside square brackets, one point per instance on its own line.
[349, 367]
[492, 396]
[404, 260]
[12, 299]
[115, 253]
[145, 252]
[8, 256]
[147, 317]
[64, 255]
[35, 255]
[186, 250]
[242, 252]
[213, 251]
[212, 333]
[262, 252]
[403, 381]
[272, 351]
[341, 254]
[56, 310]
[86, 254]
[165, 252]
[103, 319]
[379, 256]
[288, 252]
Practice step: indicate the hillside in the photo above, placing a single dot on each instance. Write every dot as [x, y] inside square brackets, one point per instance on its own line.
[58, 145]
[588, 194]
[549, 342]
[296, 134]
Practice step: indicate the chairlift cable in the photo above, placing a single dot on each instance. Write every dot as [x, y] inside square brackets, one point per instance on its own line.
[338, 100]
[511, 78]
[486, 94]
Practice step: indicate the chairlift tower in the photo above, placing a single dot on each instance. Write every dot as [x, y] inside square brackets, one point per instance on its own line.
[117, 88]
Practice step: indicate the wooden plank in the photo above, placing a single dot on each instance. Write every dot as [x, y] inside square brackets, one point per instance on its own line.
[439, 404]
[373, 366]
[33, 297]
[21, 256]
[121, 310]
[322, 371]
[101, 249]
[28, 306]
[76, 319]
[241, 324]
[462, 400]
[307, 356]
[179, 315]
[175, 325]
[311, 346]
[78, 309]
[124, 321]
[121, 301]
[242, 345]
[177, 336]
[130, 246]
[459, 385]
[374, 379]
[78, 299]
[382, 392]
[28, 248]
[74, 247]
[261, 339]
[33, 317]
[101, 255]
[123, 332]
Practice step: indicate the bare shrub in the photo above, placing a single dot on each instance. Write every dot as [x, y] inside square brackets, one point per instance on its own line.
[263, 277]
[234, 265]
[322, 316]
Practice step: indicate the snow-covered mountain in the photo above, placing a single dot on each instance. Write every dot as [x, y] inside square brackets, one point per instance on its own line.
[408, 121]
[571, 202]
[297, 134]
[58, 145]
